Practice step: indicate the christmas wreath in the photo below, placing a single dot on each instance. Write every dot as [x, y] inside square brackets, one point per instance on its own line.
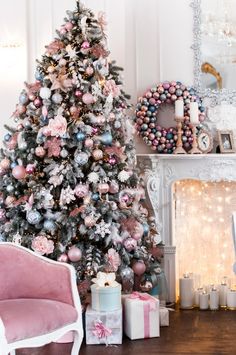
[159, 138]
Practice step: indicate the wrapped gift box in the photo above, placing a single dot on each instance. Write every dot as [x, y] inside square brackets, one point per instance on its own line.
[106, 299]
[164, 317]
[141, 316]
[103, 327]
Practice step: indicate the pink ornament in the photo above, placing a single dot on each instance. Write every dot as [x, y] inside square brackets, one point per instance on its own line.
[73, 110]
[46, 131]
[114, 187]
[89, 221]
[97, 154]
[88, 143]
[62, 62]
[69, 26]
[63, 258]
[21, 109]
[30, 169]
[103, 188]
[81, 190]
[112, 161]
[137, 233]
[139, 268]
[40, 152]
[130, 244]
[19, 172]
[74, 254]
[85, 45]
[89, 71]
[95, 130]
[9, 200]
[5, 163]
[63, 31]
[51, 69]
[88, 98]
[100, 120]
[32, 97]
[37, 102]
[78, 93]
[42, 245]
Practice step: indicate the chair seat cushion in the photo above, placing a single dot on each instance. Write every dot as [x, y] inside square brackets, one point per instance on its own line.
[27, 318]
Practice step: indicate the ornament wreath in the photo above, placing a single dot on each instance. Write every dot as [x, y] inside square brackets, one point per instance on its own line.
[159, 138]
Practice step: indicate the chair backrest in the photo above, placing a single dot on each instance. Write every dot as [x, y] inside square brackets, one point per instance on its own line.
[23, 274]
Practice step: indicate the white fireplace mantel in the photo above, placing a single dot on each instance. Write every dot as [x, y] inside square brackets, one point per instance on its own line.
[161, 171]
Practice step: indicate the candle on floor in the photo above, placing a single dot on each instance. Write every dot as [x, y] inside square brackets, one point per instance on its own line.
[223, 289]
[186, 292]
[231, 299]
[214, 299]
[194, 118]
[203, 300]
[197, 296]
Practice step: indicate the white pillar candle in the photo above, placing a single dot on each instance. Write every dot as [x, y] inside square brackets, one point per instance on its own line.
[203, 301]
[223, 289]
[197, 296]
[194, 113]
[179, 108]
[214, 299]
[186, 292]
[231, 299]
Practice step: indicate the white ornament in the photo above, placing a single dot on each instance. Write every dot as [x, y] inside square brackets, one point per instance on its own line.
[45, 93]
[123, 176]
[103, 229]
[17, 239]
[93, 177]
[67, 195]
[71, 52]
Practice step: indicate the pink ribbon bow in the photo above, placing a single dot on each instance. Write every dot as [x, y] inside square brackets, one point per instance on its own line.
[100, 330]
[145, 297]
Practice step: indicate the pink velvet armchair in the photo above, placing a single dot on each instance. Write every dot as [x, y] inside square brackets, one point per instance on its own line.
[39, 302]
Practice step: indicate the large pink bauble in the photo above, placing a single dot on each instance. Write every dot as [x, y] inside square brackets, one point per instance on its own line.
[97, 154]
[74, 254]
[139, 268]
[89, 221]
[5, 163]
[40, 152]
[103, 188]
[88, 98]
[19, 172]
[63, 258]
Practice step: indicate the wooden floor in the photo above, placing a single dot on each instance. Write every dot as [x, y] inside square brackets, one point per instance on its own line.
[190, 332]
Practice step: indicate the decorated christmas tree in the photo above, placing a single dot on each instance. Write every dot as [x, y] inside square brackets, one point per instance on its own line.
[69, 188]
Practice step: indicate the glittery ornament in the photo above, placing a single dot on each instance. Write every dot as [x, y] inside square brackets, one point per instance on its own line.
[81, 158]
[40, 152]
[30, 169]
[81, 190]
[123, 176]
[97, 154]
[49, 225]
[33, 217]
[103, 188]
[45, 93]
[127, 279]
[5, 163]
[19, 172]
[93, 177]
[88, 143]
[89, 221]
[85, 45]
[88, 98]
[106, 138]
[57, 98]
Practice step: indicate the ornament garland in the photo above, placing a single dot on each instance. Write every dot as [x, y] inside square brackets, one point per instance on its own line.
[159, 138]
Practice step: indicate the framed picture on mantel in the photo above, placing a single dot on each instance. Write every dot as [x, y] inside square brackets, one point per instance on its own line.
[226, 141]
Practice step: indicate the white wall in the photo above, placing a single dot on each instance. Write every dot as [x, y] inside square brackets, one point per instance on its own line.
[150, 39]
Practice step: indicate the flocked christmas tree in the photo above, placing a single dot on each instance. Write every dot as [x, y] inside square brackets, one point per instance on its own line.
[68, 185]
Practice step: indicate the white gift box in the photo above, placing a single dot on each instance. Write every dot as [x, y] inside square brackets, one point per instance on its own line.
[141, 316]
[103, 327]
[164, 317]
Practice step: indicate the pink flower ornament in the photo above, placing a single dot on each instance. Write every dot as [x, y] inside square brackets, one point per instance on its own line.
[57, 126]
[42, 245]
[110, 87]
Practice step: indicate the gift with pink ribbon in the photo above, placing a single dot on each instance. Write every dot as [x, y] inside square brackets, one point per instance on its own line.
[141, 313]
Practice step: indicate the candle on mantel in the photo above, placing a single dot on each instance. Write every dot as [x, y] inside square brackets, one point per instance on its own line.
[194, 118]
[197, 296]
[186, 292]
[203, 300]
[231, 299]
[179, 108]
[214, 299]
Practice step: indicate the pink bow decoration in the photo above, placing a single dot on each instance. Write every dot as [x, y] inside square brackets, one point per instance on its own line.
[100, 330]
[146, 298]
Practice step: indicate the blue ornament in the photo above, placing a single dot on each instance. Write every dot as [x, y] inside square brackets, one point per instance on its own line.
[7, 137]
[49, 225]
[169, 136]
[81, 158]
[13, 164]
[201, 109]
[80, 136]
[23, 98]
[95, 197]
[145, 229]
[38, 75]
[152, 108]
[106, 138]
[33, 217]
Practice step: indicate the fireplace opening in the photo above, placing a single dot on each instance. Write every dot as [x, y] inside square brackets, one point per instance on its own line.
[202, 230]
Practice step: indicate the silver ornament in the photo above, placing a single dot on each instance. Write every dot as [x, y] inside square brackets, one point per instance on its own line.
[57, 98]
[22, 146]
[45, 93]
[10, 188]
[49, 225]
[81, 158]
[64, 153]
[127, 279]
[33, 217]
